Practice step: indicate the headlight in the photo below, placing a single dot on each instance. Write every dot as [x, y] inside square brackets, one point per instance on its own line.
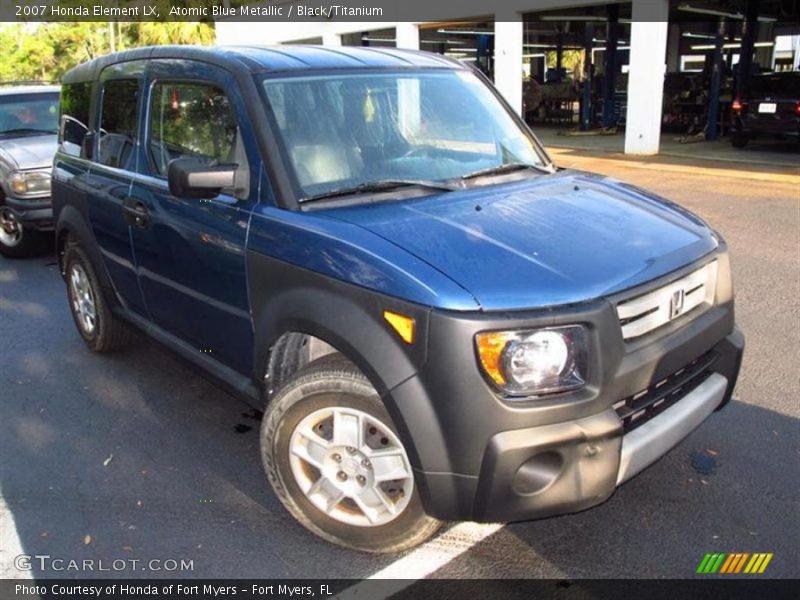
[29, 183]
[535, 361]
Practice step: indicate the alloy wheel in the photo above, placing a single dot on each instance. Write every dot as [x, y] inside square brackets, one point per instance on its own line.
[351, 466]
[83, 302]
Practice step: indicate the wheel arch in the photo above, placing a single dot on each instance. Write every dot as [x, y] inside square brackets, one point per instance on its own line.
[71, 225]
[289, 301]
[323, 323]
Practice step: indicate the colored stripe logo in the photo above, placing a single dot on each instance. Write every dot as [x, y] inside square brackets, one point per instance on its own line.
[733, 563]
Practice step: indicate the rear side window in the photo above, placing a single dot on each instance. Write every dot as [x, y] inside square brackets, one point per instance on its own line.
[190, 120]
[75, 102]
[118, 123]
[780, 85]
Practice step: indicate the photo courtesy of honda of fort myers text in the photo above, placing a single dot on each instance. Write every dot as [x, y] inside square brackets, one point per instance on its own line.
[398, 299]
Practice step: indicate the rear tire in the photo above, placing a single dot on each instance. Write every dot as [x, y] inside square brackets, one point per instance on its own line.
[345, 491]
[18, 242]
[99, 328]
[739, 140]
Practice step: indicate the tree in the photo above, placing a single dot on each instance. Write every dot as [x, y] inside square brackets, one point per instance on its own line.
[174, 32]
[45, 51]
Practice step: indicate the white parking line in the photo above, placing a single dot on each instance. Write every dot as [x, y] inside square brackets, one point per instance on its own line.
[10, 546]
[421, 562]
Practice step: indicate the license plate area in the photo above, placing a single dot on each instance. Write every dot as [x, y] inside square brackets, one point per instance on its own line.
[767, 108]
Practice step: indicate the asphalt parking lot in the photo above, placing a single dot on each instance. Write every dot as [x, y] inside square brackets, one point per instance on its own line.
[135, 456]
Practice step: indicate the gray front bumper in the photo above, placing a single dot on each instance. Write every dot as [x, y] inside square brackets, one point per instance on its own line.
[646, 444]
[34, 214]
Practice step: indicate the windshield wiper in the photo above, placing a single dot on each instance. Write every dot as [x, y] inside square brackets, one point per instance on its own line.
[383, 185]
[505, 168]
[19, 130]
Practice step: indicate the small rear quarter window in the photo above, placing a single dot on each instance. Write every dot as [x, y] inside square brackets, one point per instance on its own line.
[75, 103]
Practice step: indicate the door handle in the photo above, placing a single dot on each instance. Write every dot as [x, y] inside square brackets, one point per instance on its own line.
[136, 212]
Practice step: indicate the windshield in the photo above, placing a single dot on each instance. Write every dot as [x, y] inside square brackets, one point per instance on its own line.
[343, 131]
[28, 114]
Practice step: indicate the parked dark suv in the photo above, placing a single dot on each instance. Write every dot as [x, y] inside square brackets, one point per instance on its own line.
[770, 108]
[370, 247]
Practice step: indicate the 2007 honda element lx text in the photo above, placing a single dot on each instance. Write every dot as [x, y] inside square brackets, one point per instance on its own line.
[372, 248]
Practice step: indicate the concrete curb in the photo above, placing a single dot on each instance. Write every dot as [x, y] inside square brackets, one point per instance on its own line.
[674, 164]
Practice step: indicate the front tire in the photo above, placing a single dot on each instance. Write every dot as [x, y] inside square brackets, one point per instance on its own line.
[99, 328]
[333, 457]
[15, 240]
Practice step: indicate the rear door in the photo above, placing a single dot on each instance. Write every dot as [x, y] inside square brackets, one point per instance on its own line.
[110, 176]
[191, 253]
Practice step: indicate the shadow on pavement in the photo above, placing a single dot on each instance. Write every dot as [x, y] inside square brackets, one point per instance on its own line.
[137, 452]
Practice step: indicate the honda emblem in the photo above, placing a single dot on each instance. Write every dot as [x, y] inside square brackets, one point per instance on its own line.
[676, 303]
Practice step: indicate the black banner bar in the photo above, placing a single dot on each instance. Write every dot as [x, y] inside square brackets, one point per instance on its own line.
[734, 588]
[278, 11]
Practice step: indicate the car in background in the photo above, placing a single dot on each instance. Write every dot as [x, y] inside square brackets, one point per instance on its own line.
[28, 128]
[770, 107]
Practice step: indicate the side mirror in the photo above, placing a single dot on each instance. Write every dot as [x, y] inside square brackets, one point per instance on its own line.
[195, 178]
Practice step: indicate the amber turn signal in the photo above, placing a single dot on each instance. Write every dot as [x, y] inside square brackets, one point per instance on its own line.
[403, 325]
[490, 349]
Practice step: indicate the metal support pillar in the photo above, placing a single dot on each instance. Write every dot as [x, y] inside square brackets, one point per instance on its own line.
[610, 67]
[586, 97]
[749, 32]
[559, 55]
[712, 126]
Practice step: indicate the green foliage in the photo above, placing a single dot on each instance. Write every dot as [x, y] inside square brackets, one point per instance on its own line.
[44, 51]
[571, 60]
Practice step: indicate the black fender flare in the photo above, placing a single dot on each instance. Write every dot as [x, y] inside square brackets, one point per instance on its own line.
[72, 222]
[285, 298]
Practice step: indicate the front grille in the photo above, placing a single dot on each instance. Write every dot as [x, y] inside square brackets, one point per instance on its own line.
[641, 407]
[643, 314]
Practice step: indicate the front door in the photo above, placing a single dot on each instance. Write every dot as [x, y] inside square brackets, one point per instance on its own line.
[191, 253]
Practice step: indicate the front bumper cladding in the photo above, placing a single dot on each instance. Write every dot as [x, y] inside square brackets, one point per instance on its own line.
[566, 467]
[549, 470]
[33, 214]
[563, 468]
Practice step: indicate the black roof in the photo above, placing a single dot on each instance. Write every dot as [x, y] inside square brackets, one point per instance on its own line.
[277, 58]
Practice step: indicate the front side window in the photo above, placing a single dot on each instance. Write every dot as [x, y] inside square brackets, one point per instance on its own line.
[118, 123]
[345, 130]
[24, 115]
[75, 103]
[190, 120]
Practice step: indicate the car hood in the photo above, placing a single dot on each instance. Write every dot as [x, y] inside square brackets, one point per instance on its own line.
[31, 152]
[549, 240]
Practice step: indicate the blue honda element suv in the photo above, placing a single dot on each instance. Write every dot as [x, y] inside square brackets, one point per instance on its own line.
[369, 246]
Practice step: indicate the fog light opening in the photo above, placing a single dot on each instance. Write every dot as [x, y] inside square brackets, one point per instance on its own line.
[538, 473]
